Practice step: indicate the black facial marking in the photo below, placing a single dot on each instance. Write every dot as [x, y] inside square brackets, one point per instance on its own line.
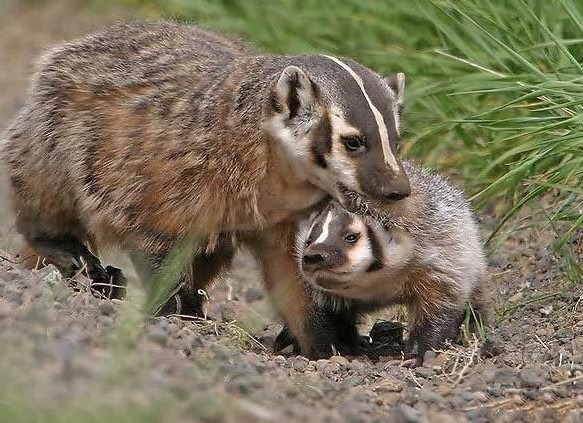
[293, 101]
[377, 252]
[322, 141]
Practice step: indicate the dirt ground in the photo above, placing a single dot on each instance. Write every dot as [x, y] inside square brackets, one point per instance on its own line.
[77, 346]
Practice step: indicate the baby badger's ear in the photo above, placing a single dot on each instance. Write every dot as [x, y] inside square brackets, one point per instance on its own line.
[295, 94]
[396, 83]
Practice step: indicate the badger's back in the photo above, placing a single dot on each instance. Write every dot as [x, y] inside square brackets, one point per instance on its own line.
[118, 134]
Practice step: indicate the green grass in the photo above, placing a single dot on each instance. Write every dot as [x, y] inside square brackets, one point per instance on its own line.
[494, 88]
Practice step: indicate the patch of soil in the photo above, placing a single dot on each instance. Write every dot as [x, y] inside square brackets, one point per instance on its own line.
[223, 369]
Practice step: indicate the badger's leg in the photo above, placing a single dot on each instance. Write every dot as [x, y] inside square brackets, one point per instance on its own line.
[70, 256]
[313, 329]
[335, 331]
[431, 331]
[189, 296]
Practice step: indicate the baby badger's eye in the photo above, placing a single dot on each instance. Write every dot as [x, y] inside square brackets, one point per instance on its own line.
[351, 238]
[354, 143]
[308, 241]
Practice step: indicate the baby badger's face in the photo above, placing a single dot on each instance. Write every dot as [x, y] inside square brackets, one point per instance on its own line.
[338, 123]
[351, 256]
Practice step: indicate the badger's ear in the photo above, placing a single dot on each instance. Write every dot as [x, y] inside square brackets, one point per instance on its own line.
[294, 92]
[396, 83]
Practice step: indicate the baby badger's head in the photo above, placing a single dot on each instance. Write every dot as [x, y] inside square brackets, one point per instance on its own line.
[339, 125]
[351, 256]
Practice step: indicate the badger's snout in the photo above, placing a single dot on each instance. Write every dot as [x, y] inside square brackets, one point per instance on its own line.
[321, 257]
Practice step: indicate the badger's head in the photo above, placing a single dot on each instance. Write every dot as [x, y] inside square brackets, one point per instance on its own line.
[351, 256]
[339, 125]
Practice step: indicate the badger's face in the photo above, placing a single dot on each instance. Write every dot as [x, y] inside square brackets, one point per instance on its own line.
[342, 131]
[351, 256]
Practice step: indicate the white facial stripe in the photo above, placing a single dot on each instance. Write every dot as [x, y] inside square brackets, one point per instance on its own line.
[360, 256]
[325, 228]
[390, 159]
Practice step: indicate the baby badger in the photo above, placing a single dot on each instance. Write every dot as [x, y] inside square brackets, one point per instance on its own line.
[151, 136]
[423, 252]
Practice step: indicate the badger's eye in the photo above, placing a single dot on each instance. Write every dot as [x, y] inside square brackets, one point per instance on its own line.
[308, 241]
[353, 143]
[351, 238]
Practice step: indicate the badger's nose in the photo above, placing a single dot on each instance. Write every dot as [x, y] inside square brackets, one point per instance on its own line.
[396, 195]
[397, 189]
[321, 257]
[313, 260]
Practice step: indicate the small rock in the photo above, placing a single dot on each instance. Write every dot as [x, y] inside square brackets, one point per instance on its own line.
[548, 397]
[331, 368]
[321, 365]
[545, 311]
[389, 384]
[505, 377]
[530, 377]
[474, 397]
[298, 363]
[106, 308]
[424, 372]
[356, 365]
[340, 360]
[279, 360]
[354, 380]
[493, 391]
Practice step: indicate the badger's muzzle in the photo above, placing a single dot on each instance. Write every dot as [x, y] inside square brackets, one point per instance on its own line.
[321, 256]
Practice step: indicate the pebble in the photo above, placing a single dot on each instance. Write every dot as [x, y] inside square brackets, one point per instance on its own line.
[340, 360]
[493, 391]
[280, 360]
[331, 368]
[354, 380]
[321, 365]
[475, 397]
[423, 372]
[530, 377]
[390, 384]
[298, 363]
[356, 365]
[548, 397]
[505, 377]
